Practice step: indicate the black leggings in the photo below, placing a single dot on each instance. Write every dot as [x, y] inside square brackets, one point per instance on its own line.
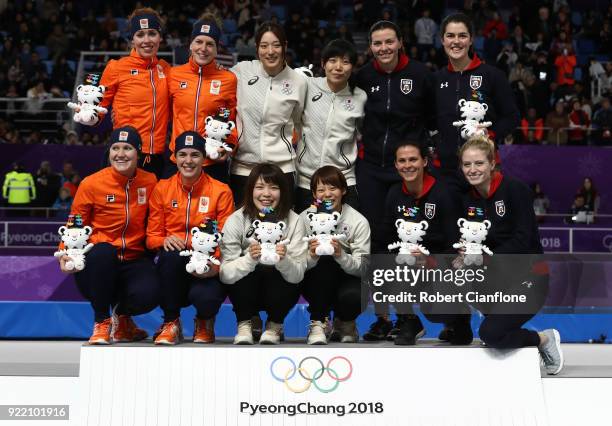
[179, 289]
[504, 330]
[327, 287]
[133, 285]
[266, 288]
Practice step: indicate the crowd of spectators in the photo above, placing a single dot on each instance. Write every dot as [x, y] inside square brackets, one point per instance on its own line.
[553, 54]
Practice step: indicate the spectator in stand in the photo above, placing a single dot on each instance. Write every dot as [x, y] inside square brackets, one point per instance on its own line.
[507, 58]
[560, 43]
[67, 171]
[57, 42]
[579, 212]
[602, 122]
[18, 189]
[425, 30]
[496, 24]
[558, 121]
[519, 40]
[62, 204]
[532, 127]
[36, 98]
[579, 123]
[47, 184]
[73, 184]
[590, 195]
[72, 138]
[565, 63]
[541, 203]
[62, 74]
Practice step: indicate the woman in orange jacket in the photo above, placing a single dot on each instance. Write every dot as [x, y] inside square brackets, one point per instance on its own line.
[114, 203]
[199, 89]
[180, 208]
[137, 88]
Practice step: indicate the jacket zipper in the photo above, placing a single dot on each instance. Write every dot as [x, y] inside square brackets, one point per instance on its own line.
[303, 150]
[197, 101]
[263, 111]
[127, 219]
[457, 111]
[187, 215]
[344, 157]
[330, 116]
[387, 131]
[154, 107]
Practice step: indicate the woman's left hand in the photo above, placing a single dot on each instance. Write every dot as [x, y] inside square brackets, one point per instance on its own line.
[222, 155]
[337, 248]
[212, 272]
[281, 250]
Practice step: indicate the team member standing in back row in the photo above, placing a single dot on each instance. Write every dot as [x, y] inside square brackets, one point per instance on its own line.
[118, 273]
[466, 77]
[399, 105]
[333, 110]
[270, 103]
[187, 200]
[198, 90]
[137, 88]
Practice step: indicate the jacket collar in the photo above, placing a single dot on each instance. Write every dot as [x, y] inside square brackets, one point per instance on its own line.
[119, 178]
[428, 183]
[401, 64]
[496, 181]
[206, 69]
[474, 63]
[202, 180]
[141, 62]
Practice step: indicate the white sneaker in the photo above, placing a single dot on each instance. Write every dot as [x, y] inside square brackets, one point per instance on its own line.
[316, 333]
[272, 334]
[245, 334]
[551, 352]
[348, 331]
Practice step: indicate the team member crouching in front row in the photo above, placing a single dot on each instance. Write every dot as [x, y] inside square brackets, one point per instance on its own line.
[253, 284]
[333, 282]
[118, 273]
[506, 203]
[188, 202]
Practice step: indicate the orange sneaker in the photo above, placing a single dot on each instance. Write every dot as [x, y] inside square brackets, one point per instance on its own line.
[171, 333]
[204, 330]
[125, 330]
[102, 333]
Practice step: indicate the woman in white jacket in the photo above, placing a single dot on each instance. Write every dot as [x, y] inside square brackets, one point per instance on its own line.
[253, 284]
[270, 102]
[334, 282]
[332, 113]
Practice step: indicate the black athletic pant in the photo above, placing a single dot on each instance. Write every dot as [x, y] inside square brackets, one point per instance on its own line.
[327, 287]
[303, 198]
[133, 285]
[179, 288]
[238, 184]
[263, 288]
[373, 184]
[503, 330]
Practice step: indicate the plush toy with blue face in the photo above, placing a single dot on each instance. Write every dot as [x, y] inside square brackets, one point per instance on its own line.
[323, 225]
[268, 231]
[74, 236]
[218, 128]
[473, 234]
[86, 108]
[204, 240]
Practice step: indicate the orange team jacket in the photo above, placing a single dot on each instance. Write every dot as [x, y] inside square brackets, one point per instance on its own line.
[175, 210]
[116, 208]
[137, 88]
[197, 92]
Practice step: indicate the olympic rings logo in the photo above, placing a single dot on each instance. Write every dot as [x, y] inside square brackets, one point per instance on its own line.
[304, 370]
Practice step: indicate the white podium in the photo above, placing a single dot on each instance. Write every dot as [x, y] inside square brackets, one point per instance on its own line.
[361, 384]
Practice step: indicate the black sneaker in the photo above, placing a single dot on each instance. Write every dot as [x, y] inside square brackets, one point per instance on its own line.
[446, 334]
[460, 333]
[378, 330]
[396, 328]
[411, 329]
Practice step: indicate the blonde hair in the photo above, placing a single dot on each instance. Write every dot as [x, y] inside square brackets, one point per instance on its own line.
[482, 143]
[209, 16]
